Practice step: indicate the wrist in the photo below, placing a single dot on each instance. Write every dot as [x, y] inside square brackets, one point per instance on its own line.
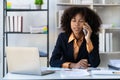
[69, 65]
[72, 65]
[88, 40]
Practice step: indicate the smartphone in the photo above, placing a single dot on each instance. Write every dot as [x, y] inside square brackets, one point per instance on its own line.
[85, 32]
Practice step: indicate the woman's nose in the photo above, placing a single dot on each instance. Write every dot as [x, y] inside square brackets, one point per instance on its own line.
[77, 23]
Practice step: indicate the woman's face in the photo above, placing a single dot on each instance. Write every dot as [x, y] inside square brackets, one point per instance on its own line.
[77, 23]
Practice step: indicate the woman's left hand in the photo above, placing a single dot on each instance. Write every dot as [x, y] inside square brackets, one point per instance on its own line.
[89, 31]
[84, 63]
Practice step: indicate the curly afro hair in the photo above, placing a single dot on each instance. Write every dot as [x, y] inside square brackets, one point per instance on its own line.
[89, 15]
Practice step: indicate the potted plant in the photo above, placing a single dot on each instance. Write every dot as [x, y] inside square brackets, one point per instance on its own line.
[38, 3]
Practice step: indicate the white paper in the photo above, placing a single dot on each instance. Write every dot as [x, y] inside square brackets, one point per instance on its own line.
[115, 62]
[74, 73]
[107, 74]
[55, 68]
[101, 72]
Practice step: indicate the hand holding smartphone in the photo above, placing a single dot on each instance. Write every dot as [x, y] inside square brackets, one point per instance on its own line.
[85, 32]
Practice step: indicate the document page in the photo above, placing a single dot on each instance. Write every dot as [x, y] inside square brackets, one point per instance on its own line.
[74, 73]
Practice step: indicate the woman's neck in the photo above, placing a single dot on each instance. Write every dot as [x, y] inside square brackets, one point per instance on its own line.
[79, 36]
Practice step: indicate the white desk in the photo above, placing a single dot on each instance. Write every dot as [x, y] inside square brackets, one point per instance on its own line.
[57, 75]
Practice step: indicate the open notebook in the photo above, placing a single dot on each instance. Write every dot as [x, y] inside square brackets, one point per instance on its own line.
[24, 60]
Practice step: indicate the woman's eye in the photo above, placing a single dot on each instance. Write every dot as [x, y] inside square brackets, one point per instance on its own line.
[73, 20]
[81, 21]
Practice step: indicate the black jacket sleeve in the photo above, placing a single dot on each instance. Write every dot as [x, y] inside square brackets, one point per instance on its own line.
[94, 58]
[56, 60]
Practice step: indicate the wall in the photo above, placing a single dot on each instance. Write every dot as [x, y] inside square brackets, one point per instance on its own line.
[1, 36]
[52, 26]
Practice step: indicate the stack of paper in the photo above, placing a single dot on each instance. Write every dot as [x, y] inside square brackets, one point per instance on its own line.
[38, 29]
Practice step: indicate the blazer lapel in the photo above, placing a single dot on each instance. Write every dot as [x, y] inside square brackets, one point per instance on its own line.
[70, 50]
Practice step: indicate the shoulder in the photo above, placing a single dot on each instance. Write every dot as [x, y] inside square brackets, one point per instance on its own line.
[63, 36]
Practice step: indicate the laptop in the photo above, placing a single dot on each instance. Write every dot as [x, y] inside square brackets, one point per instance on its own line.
[24, 60]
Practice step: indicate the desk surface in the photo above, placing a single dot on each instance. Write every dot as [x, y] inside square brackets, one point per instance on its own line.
[57, 75]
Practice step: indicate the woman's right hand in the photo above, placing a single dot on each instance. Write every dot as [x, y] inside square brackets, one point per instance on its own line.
[83, 63]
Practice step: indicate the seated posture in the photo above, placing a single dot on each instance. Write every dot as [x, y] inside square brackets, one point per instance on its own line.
[78, 45]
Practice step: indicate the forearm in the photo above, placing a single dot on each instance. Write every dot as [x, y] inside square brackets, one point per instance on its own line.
[56, 62]
[94, 59]
[89, 45]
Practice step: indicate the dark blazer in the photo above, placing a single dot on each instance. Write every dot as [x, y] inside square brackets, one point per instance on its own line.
[63, 51]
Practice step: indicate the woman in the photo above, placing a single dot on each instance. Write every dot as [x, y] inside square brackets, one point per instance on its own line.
[78, 45]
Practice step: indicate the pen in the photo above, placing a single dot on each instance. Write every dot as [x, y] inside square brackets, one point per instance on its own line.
[116, 72]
